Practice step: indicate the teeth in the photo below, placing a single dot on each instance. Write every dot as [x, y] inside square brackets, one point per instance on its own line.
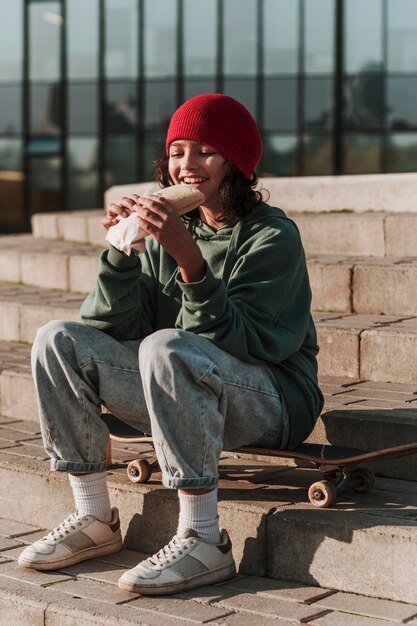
[193, 180]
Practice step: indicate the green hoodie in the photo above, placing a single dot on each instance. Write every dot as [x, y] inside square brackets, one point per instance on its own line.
[254, 302]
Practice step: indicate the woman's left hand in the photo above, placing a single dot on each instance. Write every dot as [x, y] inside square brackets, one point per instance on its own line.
[159, 219]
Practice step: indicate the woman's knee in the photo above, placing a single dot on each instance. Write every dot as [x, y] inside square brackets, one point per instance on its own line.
[160, 344]
[51, 335]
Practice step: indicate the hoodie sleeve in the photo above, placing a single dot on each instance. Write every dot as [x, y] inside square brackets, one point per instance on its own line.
[262, 314]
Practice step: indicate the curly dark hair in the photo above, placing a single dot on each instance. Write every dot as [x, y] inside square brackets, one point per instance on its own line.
[237, 195]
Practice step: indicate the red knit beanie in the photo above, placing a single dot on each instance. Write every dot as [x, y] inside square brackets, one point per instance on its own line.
[222, 123]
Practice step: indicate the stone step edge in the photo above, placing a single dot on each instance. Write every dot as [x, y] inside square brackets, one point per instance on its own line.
[274, 532]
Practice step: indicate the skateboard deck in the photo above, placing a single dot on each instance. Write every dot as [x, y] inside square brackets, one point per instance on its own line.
[342, 467]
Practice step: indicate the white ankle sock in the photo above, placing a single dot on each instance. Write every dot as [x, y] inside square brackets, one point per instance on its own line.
[91, 495]
[199, 512]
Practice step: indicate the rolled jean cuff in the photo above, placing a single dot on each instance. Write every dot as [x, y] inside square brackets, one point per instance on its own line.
[77, 467]
[173, 482]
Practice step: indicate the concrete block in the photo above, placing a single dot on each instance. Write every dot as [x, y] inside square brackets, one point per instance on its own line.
[82, 273]
[33, 317]
[261, 607]
[369, 607]
[388, 290]
[17, 396]
[95, 230]
[342, 233]
[45, 226]
[19, 609]
[389, 353]
[72, 226]
[331, 285]
[401, 235]
[48, 270]
[9, 322]
[10, 266]
[335, 618]
[339, 351]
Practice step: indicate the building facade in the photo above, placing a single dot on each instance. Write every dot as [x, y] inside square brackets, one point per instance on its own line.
[87, 88]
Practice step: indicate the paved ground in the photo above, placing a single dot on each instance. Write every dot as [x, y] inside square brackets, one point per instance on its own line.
[88, 594]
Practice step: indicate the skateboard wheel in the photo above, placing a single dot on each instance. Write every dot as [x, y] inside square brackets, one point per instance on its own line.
[366, 479]
[139, 471]
[322, 494]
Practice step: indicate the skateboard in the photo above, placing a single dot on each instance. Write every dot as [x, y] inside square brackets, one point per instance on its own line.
[342, 468]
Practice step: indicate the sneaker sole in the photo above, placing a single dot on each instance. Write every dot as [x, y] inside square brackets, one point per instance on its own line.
[89, 553]
[207, 578]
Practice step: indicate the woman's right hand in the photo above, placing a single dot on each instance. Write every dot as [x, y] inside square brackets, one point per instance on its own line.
[122, 208]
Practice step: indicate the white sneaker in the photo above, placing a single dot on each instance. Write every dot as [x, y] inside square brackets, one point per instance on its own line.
[77, 539]
[186, 562]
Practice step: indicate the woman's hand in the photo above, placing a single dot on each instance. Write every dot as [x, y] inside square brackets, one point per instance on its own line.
[159, 219]
[123, 208]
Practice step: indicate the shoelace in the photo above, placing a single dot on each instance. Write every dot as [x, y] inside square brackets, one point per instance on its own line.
[169, 552]
[64, 528]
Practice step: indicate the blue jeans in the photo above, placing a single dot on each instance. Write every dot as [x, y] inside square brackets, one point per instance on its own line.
[194, 398]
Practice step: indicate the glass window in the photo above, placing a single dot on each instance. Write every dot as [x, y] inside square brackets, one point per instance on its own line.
[318, 155]
[401, 103]
[280, 104]
[45, 109]
[11, 40]
[280, 36]
[402, 37]
[121, 160]
[44, 179]
[279, 156]
[10, 109]
[318, 103]
[121, 38]
[240, 37]
[195, 87]
[362, 154]
[121, 107]
[82, 38]
[319, 35]
[10, 154]
[83, 179]
[45, 23]
[364, 102]
[363, 36]
[82, 108]
[244, 91]
[402, 152]
[37, 146]
[200, 54]
[160, 37]
[160, 103]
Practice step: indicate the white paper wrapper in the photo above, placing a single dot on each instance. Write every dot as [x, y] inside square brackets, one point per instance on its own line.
[127, 235]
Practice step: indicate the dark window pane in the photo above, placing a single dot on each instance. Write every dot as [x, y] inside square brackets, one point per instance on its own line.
[318, 155]
[279, 157]
[45, 109]
[121, 107]
[82, 108]
[244, 91]
[199, 57]
[281, 36]
[121, 160]
[160, 99]
[82, 38]
[401, 103]
[11, 40]
[364, 102]
[160, 37]
[83, 179]
[195, 87]
[240, 37]
[362, 154]
[121, 38]
[363, 36]
[280, 104]
[44, 180]
[319, 25]
[43, 145]
[10, 154]
[318, 103]
[402, 36]
[45, 23]
[402, 152]
[10, 109]
[154, 144]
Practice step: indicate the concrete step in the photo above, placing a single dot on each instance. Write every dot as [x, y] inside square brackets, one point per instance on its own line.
[87, 594]
[339, 283]
[274, 530]
[338, 233]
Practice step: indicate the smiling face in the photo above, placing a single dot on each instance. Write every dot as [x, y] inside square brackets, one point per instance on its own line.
[197, 165]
